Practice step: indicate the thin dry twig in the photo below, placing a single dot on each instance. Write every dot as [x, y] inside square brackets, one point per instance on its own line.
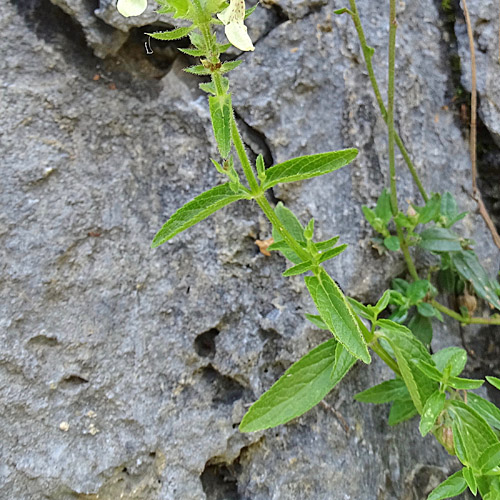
[473, 131]
[339, 416]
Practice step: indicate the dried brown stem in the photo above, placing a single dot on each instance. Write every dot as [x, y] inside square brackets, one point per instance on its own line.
[473, 131]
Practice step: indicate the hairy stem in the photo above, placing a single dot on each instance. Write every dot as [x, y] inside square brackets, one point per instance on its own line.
[367, 54]
[463, 319]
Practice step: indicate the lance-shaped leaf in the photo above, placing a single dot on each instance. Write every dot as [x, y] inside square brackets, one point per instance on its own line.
[451, 487]
[220, 112]
[490, 458]
[196, 210]
[453, 356]
[494, 381]
[172, 34]
[336, 313]
[407, 348]
[299, 269]
[343, 363]
[439, 239]
[330, 254]
[469, 268]
[306, 167]
[301, 387]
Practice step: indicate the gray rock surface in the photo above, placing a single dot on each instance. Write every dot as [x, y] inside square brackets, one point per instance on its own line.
[484, 19]
[125, 371]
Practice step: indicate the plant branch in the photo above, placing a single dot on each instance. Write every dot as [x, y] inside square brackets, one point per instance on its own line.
[367, 54]
[463, 319]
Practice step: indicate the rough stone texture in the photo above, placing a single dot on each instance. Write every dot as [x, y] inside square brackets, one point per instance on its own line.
[484, 19]
[125, 371]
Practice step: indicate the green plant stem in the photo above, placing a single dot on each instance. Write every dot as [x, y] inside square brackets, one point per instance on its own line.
[367, 54]
[242, 155]
[292, 242]
[463, 319]
[390, 106]
[392, 134]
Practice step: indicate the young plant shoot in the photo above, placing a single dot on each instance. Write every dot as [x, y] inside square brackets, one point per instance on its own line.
[426, 385]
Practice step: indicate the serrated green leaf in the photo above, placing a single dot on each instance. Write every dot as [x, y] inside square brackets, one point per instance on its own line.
[307, 167]
[421, 327]
[172, 34]
[400, 285]
[221, 114]
[196, 210]
[490, 458]
[486, 409]
[453, 356]
[468, 266]
[229, 66]
[494, 381]
[301, 387]
[432, 408]
[390, 390]
[180, 8]
[383, 209]
[199, 69]
[402, 220]
[475, 433]
[316, 320]
[192, 52]
[330, 254]
[392, 243]
[336, 313]
[321, 246]
[451, 487]
[439, 239]
[401, 411]
[406, 349]
[299, 269]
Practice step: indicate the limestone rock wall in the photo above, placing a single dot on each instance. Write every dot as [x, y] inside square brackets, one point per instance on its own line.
[124, 372]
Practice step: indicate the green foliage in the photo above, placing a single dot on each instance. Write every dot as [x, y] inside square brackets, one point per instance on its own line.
[337, 315]
[171, 35]
[301, 387]
[451, 487]
[307, 167]
[221, 114]
[196, 210]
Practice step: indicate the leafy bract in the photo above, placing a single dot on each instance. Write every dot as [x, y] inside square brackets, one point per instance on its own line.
[336, 313]
[196, 210]
[451, 487]
[301, 387]
[468, 266]
[220, 112]
[306, 167]
[439, 239]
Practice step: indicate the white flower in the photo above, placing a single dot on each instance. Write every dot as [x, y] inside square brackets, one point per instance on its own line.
[129, 8]
[236, 32]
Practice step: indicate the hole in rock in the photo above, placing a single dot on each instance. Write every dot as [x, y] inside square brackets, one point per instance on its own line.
[219, 482]
[204, 344]
[224, 390]
[72, 382]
